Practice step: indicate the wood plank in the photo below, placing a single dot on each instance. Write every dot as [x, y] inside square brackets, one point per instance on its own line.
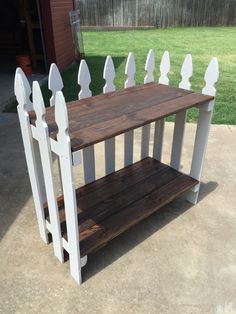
[111, 205]
[98, 118]
[99, 234]
[94, 193]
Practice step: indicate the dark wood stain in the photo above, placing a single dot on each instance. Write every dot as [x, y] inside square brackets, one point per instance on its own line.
[113, 204]
[98, 118]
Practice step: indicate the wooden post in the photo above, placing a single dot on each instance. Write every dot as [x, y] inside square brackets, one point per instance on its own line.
[149, 68]
[180, 118]
[109, 76]
[22, 93]
[130, 70]
[84, 80]
[203, 127]
[160, 124]
[46, 157]
[70, 203]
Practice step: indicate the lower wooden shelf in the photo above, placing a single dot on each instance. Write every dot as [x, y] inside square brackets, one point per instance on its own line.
[113, 204]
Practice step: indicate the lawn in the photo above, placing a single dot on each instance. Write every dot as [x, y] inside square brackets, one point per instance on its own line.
[202, 43]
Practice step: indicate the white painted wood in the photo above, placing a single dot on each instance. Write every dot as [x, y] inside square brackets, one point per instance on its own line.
[25, 88]
[145, 141]
[130, 70]
[84, 80]
[211, 77]
[109, 76]
[76, 158]
[203, 127]
[46, 157]
[61, 118]
[160, 124]
[38, 191]
[180, 118]
[55, 83]
[158, 139]
[164, 68]
[89, 164]
[149, 68]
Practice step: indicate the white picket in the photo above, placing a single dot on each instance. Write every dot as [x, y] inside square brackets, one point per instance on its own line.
[130, 70]
[84, 80]
[164, 68]
[72, 244]
[22, 93]
[180, 118]
[109, 76]
[160, 124]
[55, 82]
[211, 77]
[203, 128]
[23, 89]
[149, 68]
[46, 157]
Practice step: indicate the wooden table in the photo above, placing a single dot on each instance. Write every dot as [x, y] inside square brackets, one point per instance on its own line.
[111, 205]
[84, 219]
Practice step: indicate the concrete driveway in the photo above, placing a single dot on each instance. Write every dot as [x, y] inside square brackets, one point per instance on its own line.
[181, 260]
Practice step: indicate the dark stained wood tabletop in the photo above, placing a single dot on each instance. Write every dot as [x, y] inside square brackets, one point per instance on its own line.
[98, 118]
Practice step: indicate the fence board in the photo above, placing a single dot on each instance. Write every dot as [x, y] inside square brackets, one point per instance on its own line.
[159, 13]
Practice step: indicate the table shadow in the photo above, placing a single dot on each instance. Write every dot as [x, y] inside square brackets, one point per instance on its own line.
[140, 232]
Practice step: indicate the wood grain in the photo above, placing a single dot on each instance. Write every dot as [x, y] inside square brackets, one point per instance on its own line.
[111, 205]
[98, 118]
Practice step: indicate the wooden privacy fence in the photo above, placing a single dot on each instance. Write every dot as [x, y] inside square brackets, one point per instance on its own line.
[157, 13]
[82, 220]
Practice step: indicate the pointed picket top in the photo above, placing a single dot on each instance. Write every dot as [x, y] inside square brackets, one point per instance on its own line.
[150, 67]
[165, 68]
[84, 80]
[211, 77]
[130, 70]
[109, 75]
[22, 90]
[38, 104]
[61, 117]
[55, 82]
[186, 72]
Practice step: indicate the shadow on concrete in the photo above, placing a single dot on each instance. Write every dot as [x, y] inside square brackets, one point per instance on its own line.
[14, 180]
[139, 233]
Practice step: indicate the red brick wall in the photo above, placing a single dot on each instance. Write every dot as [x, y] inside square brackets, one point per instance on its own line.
[57, 31]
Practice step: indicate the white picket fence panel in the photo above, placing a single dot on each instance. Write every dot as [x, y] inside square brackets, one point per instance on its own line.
[203, 128]
[84, 80]
[160, 124]
[39, 146]
[180, 118]
[149, 68]
[130, 70]
[109, 76]
[22, 92]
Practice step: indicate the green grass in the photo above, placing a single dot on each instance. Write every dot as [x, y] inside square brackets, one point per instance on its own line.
[202, 43]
